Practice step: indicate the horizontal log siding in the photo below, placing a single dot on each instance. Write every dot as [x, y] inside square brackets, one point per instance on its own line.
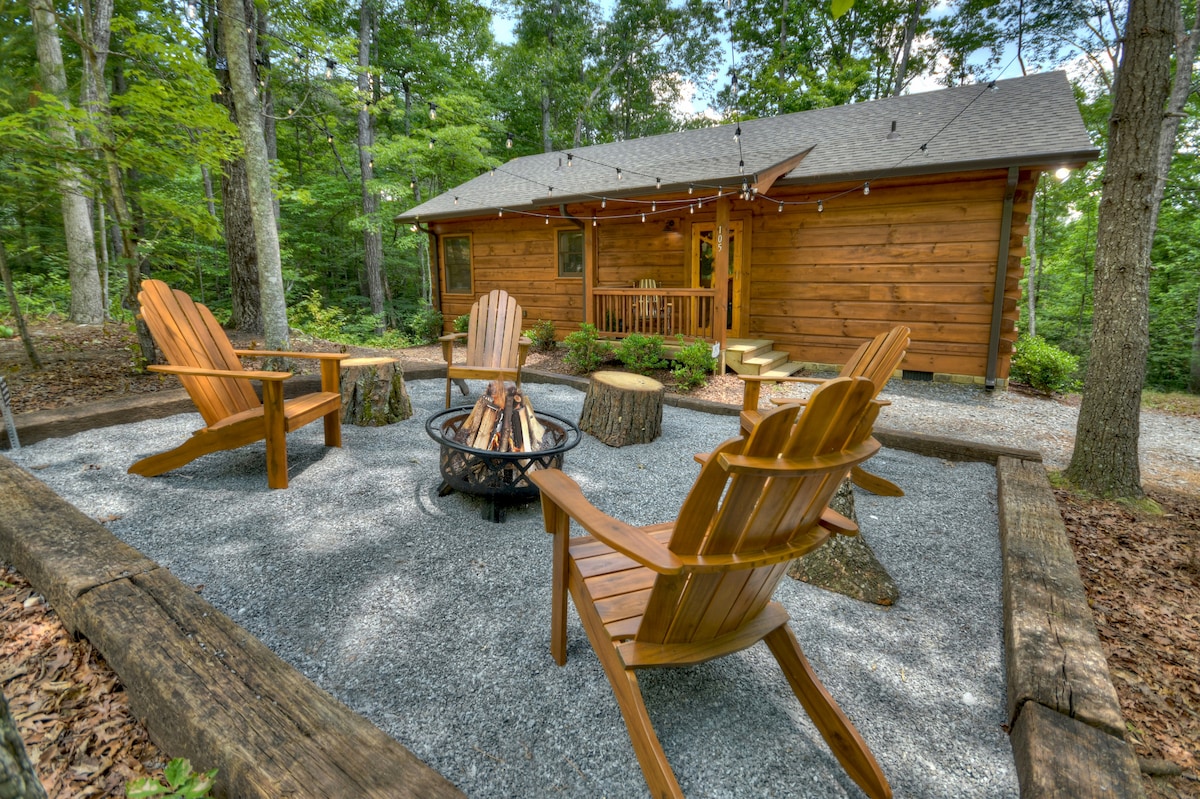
[517, 255]
[631, 250]
[915, 252]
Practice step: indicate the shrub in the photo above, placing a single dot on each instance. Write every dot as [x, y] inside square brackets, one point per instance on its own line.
[1043, 366]
[425, 324]
[183, 783]
[693, 364]
[586, 351]
[642, 354]
[6, 332]
[316, 320]
[541, 335]
[462, 324]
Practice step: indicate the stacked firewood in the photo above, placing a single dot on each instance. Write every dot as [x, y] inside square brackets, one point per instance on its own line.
[503, 421]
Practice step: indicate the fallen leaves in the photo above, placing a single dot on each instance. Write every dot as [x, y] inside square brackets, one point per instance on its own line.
[1142, 576]
[70, 709]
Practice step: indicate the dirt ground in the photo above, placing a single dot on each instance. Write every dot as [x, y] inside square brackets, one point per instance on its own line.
[1141, 572]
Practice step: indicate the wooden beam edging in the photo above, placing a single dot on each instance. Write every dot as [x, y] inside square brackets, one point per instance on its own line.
[204, 687]
[1066, 724]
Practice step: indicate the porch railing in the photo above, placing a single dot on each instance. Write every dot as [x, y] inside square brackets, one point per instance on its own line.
[658, 311]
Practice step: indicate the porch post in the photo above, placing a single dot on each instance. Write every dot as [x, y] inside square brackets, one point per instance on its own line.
[589, 270]
[721, 274]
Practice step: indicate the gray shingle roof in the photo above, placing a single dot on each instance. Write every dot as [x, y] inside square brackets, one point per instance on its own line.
[1028, 121]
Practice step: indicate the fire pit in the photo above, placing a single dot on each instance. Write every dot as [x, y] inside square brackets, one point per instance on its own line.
[500, 477]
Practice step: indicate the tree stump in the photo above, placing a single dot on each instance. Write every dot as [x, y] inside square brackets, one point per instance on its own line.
[373, 392]
[845, 563]
[622, 408]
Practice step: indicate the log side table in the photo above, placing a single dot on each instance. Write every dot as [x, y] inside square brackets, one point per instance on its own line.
[373, 392]
[622, 408]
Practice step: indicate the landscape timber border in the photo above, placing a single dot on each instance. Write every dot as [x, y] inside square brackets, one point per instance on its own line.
[1065, 723]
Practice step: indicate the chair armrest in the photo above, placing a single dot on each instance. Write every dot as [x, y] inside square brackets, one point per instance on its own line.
[312, 356]
[448, 345]
[563, 492]
[523, 345]
[196, 371]
[835, 522]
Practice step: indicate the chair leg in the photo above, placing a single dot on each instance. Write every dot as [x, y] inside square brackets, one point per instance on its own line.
[558, 607]
[653, 760]
[333, 428]
[874, 483]
[447, 392]
[844, 740]
[276, 437]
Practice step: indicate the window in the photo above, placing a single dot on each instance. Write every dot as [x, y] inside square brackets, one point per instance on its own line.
[456, 258]
[570, 253]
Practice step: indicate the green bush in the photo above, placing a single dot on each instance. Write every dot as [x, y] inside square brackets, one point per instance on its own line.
[462, 324]
[6, 332]
[642, 354]
[541, 335]
[315, 319]
[1043, 366]
[425, 324]
[693, 364]
[586, 351]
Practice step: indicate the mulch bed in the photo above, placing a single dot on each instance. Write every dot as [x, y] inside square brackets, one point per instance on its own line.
[1142, 574]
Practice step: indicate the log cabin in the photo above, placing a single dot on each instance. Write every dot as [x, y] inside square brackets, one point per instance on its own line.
[784, 241]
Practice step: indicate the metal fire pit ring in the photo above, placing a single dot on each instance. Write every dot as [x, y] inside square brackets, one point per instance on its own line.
[500, 477]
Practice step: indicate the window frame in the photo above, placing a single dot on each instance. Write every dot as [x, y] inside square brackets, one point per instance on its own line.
[558, 253]
[470, 290]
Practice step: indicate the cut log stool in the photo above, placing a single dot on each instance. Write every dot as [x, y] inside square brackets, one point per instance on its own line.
[622, 408]
[373, 392]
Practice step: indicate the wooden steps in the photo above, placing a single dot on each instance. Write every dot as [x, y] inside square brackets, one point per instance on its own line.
[758, 357]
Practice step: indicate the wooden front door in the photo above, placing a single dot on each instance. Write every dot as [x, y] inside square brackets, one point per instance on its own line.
[705, 240]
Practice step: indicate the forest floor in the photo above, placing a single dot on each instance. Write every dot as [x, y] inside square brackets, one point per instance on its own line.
[1141, 571]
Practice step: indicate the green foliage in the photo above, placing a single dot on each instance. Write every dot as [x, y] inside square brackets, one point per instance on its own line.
[182, 783]
[693, 364]
[1043, 366]
[541, 335]
[425, 324]
[462, 323]
[314, 318]
[642, 354]
[586, 351]
[7, 332]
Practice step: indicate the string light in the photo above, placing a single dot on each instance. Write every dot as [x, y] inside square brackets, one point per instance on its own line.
[603, 202]
[658, 183]
[329, 139]
[508, 140]
[570, 160]
[547, 219]
[501, 213]
[191, 10]
[643, 216]
[433, 110]
[549, 191]
[742, 167]
[691, 187]
[431, 143]
[820, 206]
[692, 208]
[653, 206]
[781, 208]
[593, 220]
[618, 173]
[737, 134]
[329, 65]
[456, 199]
[867, 187]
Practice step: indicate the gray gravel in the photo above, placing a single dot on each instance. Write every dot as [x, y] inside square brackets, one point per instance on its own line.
[434, 624]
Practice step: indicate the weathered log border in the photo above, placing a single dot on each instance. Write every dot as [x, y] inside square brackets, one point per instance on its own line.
[1066, 725]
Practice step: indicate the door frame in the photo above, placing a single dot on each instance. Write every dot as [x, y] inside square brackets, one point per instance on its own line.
[739, 299]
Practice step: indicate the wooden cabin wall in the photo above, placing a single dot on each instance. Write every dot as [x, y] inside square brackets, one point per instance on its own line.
[517, 255]
[630, 250]
[919, 252]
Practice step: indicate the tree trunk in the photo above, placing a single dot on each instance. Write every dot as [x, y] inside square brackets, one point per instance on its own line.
[1031, 274]
[18, 780]
[1105, 459]
[622, 408]
[1194, 383]
[372, 236]
[86, 300]
[910, 32]
[258, 174]
[10, 292]
[846, 564]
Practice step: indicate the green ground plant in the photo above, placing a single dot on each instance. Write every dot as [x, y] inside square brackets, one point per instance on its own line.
[586, 351]
[182, 783]
[642, 354]
[693, 364]
[462, 324]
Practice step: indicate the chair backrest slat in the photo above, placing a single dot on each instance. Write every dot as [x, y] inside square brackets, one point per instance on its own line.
[754, 512]
[494, 331]
[878, 358]
[189, 335]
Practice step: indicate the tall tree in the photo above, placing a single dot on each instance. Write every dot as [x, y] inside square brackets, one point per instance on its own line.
[1105, 458]
[258, 173]
[372, 235]
[87, 304]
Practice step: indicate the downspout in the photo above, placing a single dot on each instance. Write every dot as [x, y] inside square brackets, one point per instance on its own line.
[435, 288]
[993, 355]
[562, 209]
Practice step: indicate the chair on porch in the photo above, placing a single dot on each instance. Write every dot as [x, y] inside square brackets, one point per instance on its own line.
[876, 360]
[495, 350]
[700, 587]
[653, 315]
[199, 353]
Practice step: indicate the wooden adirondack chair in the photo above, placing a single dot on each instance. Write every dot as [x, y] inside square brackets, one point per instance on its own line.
[876, 360]
[698, 588]
[199, 352]
[496, 349]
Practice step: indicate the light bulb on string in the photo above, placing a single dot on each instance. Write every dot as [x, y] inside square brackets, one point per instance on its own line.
[508, 140]
[691, 187]
[692, 208]
[501, 214]
[547, 220]
[658, 183]
[433, 110]
[329, 139]
[549, 191]
[643, 216]
[737, 134]
[867, 187]
[781, 208]
[570, 160]
[603, 202]
[191, 10]
[742, 167]
[431, 143]
[329, 65]
[413, 228]
[291, 111]
[618, 173]
[593, 220]
[653, 206]
[456, 200]
[820, 206]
